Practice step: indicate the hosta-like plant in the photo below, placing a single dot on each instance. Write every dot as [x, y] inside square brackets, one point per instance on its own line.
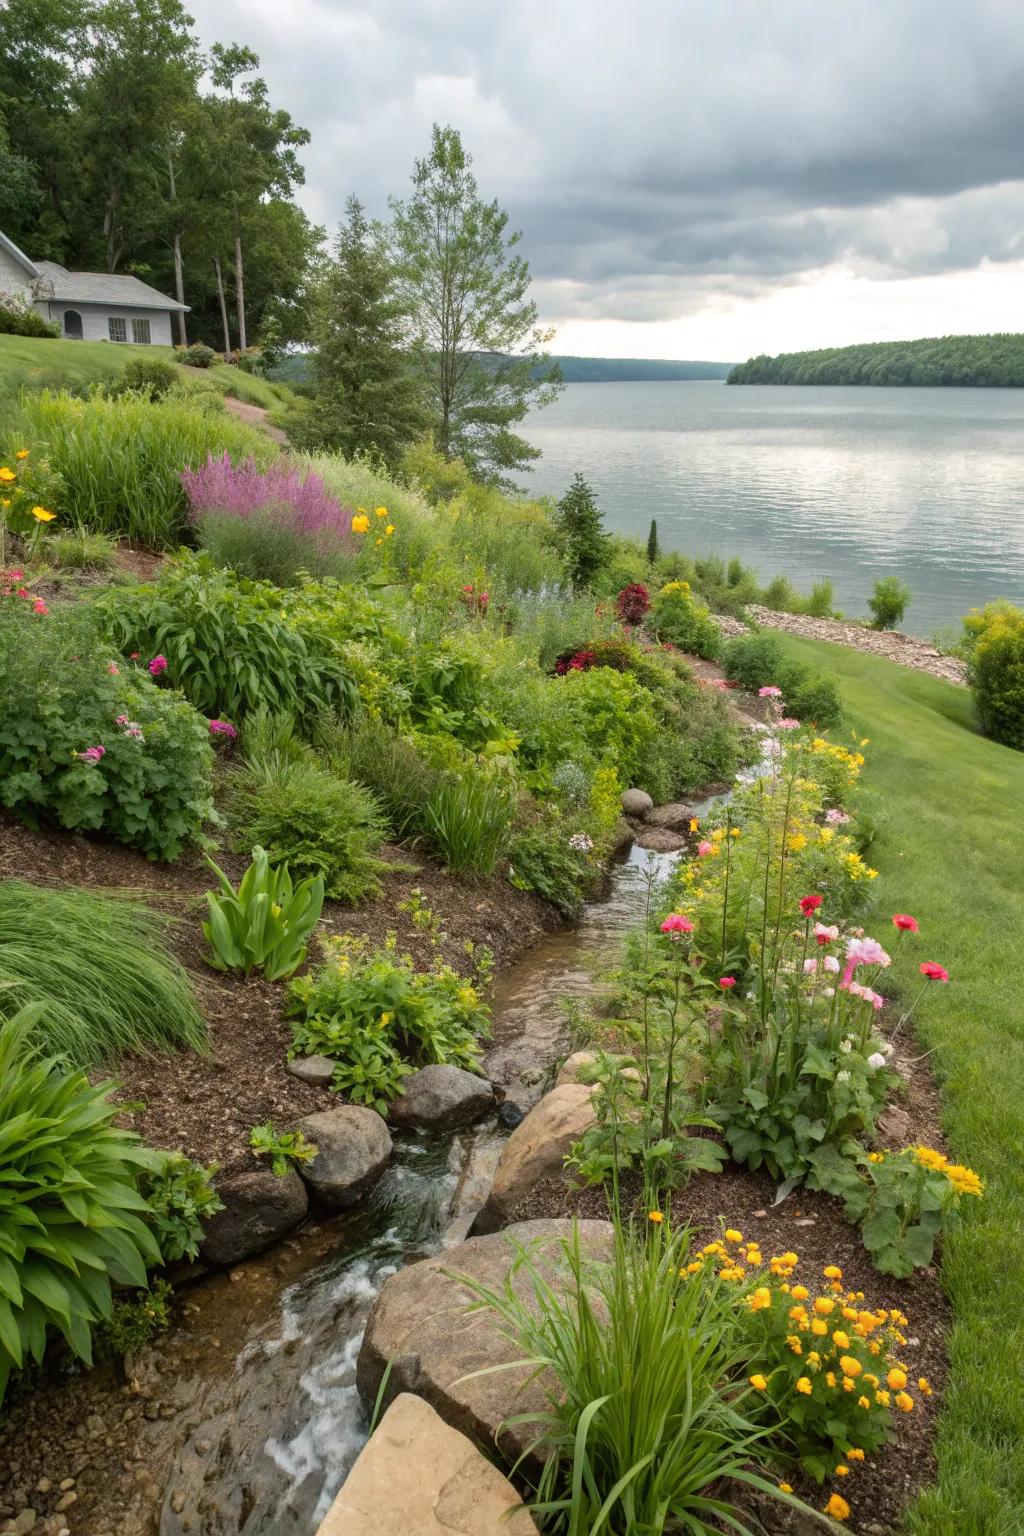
[263, 925]
[72, 1220]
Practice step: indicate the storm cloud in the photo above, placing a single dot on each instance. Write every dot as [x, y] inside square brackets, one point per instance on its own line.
[657, 155]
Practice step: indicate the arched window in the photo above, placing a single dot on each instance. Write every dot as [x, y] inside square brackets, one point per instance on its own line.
[72, 325]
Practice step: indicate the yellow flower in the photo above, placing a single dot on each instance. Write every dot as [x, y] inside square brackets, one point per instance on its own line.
[922, 1382]
[841, 1340]
[805, 1385]
[855, 1453]
[7, 475]
[389, 530]
[22, 453]
[864, 1402]
[732, 1236]
[694, 823]
[656, 1217]
[824, 1305]
[691, 1269]
[734, 832]
[965, 1180]
[380, 511]
[360, 523]
[799, 1293]
[876, 1157]
[785, 1488]
[882, 1399]
[378, 543]
[832, 1272]
[904, 1401]
[42, 516]
[796, 842]
[842, 1471]
[820, 1327]
[830, 1379]
[849, 1365]
[896, 1378]
[759, 1382]
[837, 1507]
[761, 1299]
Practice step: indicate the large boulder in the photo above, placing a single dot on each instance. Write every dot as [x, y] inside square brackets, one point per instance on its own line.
[442, 1098]
[353, 1149]
[638, 803]
[536, 1149]
[416, 1476]
[421, 1328]
[673, 817]
[259, 1209]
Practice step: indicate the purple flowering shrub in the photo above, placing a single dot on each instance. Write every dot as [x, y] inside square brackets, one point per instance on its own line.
[269, 524]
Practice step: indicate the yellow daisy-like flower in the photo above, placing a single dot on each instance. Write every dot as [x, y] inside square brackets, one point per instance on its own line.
[837, 1507]
[824, 1305]
[732, 1236]
[904, 1402]
[761, 1299]
[380, 511]
[855, 1453]
[389, 530]
[842, 1470]
[923, 1385]
[22, 453]
[805, 1385]
[849, 1365]
[7, 476]
[759, 1382]
[799, 1293]
[42, 516]
[360, 523]
[820, 1327]
[832, 1272]
[785, 1488]
[896, 1378]
[656, 1217]
[864, 1402]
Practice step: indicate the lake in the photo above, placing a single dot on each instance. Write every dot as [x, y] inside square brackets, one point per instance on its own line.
[845, 483]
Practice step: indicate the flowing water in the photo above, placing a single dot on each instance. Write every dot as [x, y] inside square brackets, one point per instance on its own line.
[848, 484]
[258, 1417]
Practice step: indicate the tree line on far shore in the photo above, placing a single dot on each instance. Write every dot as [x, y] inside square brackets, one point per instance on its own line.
[993, 361]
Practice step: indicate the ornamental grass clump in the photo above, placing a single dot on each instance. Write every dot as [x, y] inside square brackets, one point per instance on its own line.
[100, 970]
[72, 1221]
[645, 1427]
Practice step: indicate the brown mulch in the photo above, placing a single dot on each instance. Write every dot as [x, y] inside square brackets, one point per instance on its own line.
[207, 1105]
[880, 1489]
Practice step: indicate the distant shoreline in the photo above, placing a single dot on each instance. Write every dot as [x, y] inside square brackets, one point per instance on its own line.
[931, 362]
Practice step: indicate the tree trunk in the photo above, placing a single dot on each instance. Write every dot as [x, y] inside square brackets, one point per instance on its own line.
[179, 277]
[223, 304]
[239, 288]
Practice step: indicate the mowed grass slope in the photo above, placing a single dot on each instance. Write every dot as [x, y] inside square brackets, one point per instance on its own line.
[32, 362]
[950, 847]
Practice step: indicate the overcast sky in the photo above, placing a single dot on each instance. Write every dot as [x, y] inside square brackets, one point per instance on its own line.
[709, 179]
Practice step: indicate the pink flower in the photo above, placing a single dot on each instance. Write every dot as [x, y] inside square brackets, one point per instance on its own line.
[771, 692]
[867, 994]
[113, 668]
[810, 966]
[809, 904]
[134, 655]
[826, 934]
[223, 728]
[157, 665]
[836, 818]
[705, 848]
[92, 754]
[40, 607]
[876, 1060]
[726, 982]
[789, 724]
[676, 924]
[830, 963]
[866, 952]
[905, 923]
[933, 972]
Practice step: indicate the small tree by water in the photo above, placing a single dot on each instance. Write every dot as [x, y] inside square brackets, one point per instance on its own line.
[652, 543]
[888, 602]
[584, 543]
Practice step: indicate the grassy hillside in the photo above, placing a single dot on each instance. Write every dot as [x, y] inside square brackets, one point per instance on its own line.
[950, 857]
[40, 363]
[934, 360]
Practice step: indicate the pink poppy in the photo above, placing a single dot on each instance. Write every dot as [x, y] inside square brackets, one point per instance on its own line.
[809, 904]
[905, 923]
[933, 972]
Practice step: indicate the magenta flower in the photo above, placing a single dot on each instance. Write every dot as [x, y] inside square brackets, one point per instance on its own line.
[905, 923]
[676, 924]
[92, 754]
[224, 728]
[157, 665]
[113, 668]
[933, 972]
[726, 983]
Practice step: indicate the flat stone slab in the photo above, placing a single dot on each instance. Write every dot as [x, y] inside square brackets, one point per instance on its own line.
[421, 1326]
[315, 1070]
[353, 1149]
[416, 1476]
[536, 1149]
[259, 1209]
[442, 1098]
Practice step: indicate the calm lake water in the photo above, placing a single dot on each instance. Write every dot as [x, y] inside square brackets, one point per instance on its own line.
[845, 483]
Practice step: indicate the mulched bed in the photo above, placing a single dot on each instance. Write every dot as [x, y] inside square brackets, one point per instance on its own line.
[811, 1224]
[206, 1105]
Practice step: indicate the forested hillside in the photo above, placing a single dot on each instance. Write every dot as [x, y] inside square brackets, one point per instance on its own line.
[964, 360]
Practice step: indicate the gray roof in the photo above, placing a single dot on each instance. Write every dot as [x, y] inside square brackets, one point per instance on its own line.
[12, 250]
[102, 288]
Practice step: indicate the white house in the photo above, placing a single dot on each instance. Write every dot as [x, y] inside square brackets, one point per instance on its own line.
[90, 306]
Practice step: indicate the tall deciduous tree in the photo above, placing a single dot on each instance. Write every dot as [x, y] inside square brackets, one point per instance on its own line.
[475, 332]
[369, 396]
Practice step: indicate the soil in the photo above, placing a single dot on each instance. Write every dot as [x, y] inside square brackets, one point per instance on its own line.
[257, 417]
[206, 1105]
[880, 1489]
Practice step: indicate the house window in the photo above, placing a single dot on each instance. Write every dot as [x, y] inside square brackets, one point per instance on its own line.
[117, 328]
[140, 332]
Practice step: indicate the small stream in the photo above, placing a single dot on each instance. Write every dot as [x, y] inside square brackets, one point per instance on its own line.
[259, 1420]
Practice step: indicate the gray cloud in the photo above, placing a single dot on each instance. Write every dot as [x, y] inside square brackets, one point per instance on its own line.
[664, 153]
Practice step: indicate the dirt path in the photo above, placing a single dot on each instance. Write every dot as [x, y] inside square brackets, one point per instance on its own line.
[256, 417]
[902, 649]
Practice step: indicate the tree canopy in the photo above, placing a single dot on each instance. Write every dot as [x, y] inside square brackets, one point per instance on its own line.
[964, 360]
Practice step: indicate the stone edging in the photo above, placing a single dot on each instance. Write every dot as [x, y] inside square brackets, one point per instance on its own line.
[902, 649]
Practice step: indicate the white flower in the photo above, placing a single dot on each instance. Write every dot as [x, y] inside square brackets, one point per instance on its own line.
[830, 963]
[828, 991]
[842, 1077]
[846, 1046]
[876, 1060]
[580, 843]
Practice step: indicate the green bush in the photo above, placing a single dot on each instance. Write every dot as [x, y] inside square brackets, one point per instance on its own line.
[266, 547]
[467, 820]
[18, 317]
[677, 619]
[120, 459]
[995, 664]
[72, 1221]
[228, 643]
[542, 859]
[379, 1018]
[754, 661]
[888, 602]
[392, 768]
[149, 376]
[286, 1149]
[813, 697]
[134, 1323]
[89, 745]
[99, 968]
[181, 1197]
[80, 551]
[198, 355]
[318, 823]
[760, 661]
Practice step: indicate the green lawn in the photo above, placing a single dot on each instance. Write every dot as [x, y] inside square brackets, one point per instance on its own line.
[29, 362]
[951, 851]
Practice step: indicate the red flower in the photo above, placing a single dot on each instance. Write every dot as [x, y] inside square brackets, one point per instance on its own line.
[725, 982]
[809, 904]
[933, 972]
[675, 924]
[905, 923]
